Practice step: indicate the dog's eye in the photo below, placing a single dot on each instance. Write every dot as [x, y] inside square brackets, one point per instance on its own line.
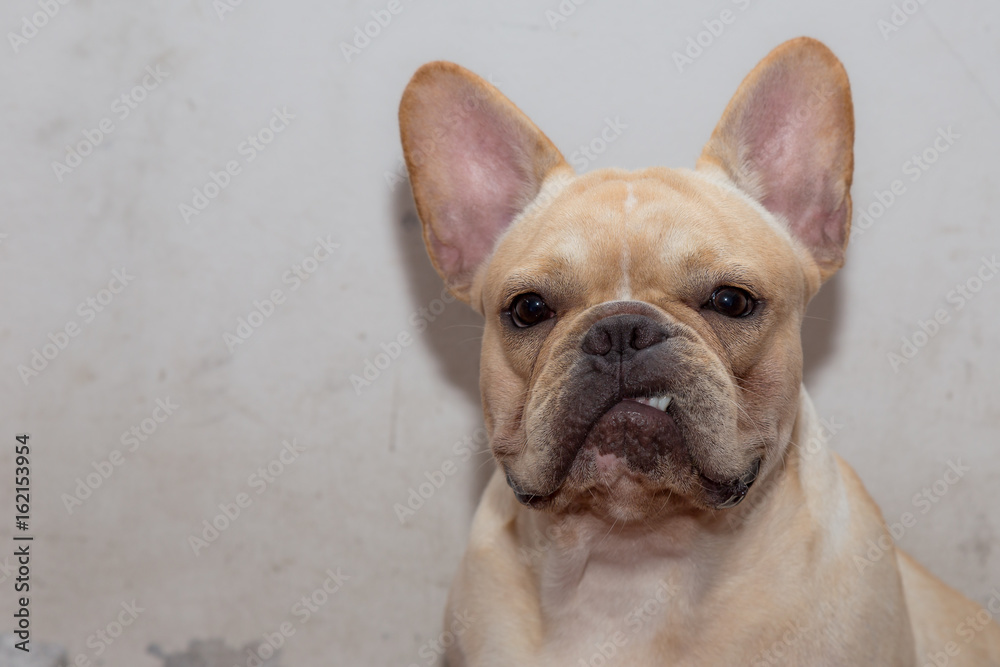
[529, 309]
[732, 302]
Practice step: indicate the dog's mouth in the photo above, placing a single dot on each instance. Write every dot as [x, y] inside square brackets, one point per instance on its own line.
[731, 493]
[635, 437]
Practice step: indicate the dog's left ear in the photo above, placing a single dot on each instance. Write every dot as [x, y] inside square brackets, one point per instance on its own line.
[787, 140]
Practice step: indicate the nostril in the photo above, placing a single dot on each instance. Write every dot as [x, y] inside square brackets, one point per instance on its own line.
[624, 334]
[646, 336]
[597, 342]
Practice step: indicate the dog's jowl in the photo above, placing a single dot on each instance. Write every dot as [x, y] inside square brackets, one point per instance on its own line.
[655, 501]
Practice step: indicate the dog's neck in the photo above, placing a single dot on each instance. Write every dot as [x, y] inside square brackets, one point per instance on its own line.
[588, 567]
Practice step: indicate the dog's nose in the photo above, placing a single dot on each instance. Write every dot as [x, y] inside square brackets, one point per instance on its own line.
[624, 334]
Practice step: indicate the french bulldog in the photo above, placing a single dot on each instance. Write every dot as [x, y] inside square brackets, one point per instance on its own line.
[663, 495]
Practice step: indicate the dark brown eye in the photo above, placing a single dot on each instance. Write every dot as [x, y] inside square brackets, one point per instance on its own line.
[528, 310]
[732, 302]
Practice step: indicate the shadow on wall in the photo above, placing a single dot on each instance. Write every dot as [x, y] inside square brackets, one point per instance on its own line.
[455, 336]
[820, 327]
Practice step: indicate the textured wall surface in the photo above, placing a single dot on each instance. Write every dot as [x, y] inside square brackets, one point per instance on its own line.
[306, 252]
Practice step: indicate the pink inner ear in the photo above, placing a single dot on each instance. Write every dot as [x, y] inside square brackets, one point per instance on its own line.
[794, 143]
[483, 179]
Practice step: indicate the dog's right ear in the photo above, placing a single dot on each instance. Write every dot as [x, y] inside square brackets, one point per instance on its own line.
[475, 162]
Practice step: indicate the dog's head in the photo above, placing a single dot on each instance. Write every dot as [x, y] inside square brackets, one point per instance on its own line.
[642, 336]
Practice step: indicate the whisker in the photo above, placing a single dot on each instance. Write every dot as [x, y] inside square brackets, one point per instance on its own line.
[615, 523]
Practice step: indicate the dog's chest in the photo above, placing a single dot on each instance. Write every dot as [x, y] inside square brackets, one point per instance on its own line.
[610, 607]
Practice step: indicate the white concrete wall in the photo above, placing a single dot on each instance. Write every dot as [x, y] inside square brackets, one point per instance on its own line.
[324, 176]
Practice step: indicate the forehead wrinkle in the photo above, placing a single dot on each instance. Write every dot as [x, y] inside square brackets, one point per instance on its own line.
[570, 248]
[692, 228]
[545, 263]
[691, 224]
